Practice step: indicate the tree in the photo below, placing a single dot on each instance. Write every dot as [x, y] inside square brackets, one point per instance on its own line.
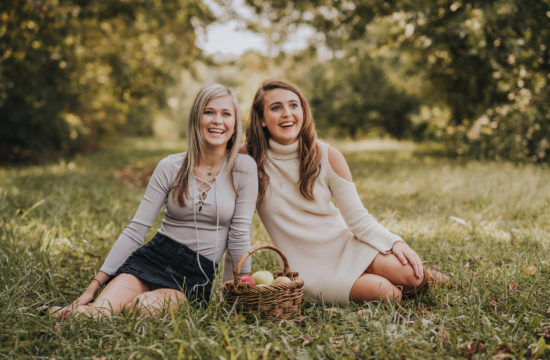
[487, 61]
[73, 72]
[353, 95]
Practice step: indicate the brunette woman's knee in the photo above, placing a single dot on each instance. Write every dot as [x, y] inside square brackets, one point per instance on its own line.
[405, 277]
[411, 280]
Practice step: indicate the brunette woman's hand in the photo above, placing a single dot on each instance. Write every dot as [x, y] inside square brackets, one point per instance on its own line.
[407, 255]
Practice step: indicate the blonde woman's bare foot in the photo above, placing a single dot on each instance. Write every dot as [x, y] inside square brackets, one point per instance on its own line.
[47, 309]
[82, 310]
[56, 311]
[59, 312]
[42, 309]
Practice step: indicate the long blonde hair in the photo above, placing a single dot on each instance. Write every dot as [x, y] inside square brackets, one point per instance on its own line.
[196, 143]
[257, 141]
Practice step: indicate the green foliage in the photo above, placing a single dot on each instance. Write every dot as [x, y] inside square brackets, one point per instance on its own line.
[73, 72]
[33, 81]
[352, 95]
[485, 223]
[486, 61]
[489, 62]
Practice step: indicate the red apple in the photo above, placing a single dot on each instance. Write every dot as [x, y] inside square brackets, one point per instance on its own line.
[248, 279]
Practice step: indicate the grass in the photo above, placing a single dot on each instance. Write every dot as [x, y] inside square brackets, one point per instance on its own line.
[486, 223]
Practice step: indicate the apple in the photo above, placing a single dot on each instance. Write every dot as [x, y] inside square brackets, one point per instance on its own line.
[263, 277]
[248, 279]
[281, 280]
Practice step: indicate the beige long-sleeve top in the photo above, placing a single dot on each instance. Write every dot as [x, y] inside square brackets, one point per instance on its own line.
[329, 246]
[220, 221]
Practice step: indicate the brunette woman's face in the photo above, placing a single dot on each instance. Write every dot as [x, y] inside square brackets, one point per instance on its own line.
[283, 115]
[217, 123]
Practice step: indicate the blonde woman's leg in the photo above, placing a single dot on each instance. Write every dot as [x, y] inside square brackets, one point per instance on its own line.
[114, 297]
[156, 301]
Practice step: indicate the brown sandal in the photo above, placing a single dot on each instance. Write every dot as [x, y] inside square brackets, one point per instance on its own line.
[432, 277]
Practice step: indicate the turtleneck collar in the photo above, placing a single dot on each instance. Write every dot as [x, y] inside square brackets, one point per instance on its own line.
[283, 152]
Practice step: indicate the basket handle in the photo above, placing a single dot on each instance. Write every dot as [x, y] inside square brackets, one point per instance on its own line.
[236, 275]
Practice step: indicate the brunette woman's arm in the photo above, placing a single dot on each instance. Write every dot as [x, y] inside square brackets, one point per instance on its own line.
[359, 220]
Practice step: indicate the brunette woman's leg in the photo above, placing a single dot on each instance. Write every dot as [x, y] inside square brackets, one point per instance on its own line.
[115, 296]
[389, 267]
[372, 287]
[156, 301]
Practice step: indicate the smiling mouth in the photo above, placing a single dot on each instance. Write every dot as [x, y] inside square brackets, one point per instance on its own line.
[216, 131]
[287, 124]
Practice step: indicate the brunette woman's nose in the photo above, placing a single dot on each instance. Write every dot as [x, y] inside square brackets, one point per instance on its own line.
[286, 112]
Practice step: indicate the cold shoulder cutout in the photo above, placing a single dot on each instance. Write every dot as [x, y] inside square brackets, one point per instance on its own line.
[338, 164]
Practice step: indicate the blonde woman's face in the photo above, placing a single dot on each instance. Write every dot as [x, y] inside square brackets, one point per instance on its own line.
[217, 123]
[283, 115]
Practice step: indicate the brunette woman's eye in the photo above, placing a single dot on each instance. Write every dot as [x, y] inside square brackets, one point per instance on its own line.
[275, 108]
[293, 105]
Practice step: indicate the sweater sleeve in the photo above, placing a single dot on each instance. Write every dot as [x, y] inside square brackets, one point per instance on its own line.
[245, 178]
[134, 234]
[359, 220]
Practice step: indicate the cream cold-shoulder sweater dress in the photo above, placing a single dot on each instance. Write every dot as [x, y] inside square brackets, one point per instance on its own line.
[330, 247]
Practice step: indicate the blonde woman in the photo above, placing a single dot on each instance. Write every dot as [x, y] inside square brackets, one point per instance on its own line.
[210, 195]
[342, 253]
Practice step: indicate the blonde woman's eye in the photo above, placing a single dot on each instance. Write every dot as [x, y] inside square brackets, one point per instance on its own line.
[227, 114]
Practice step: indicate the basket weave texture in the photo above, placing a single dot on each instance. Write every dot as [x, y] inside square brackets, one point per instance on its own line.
[279, 301]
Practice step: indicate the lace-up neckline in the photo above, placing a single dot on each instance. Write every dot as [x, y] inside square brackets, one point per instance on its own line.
[203, 188]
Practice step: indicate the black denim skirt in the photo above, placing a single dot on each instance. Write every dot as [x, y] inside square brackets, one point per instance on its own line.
[165, 263]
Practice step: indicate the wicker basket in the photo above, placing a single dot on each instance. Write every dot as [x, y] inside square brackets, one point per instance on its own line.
[279, 301]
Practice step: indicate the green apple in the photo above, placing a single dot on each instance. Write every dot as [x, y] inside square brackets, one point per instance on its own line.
[263, 277]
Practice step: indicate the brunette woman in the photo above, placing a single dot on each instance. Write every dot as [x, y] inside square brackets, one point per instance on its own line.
[342, 253]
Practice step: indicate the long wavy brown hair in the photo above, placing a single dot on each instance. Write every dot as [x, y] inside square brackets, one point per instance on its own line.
[196, 143]
[257, 141]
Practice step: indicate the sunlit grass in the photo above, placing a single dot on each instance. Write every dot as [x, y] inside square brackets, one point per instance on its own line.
[486, 223]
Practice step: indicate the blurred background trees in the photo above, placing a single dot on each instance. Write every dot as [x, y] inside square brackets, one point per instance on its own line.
[471, 75]
[73, 72]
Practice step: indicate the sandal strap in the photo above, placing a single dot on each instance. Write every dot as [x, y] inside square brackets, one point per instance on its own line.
[427, 282]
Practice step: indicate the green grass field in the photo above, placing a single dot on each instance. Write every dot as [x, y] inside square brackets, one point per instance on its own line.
[485, 223]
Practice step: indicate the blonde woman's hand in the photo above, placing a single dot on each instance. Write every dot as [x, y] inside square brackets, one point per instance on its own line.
[406, 255]
[83, 299]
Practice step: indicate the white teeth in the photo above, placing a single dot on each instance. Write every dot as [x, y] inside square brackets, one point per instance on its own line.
[287, 124]
[216, 131]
